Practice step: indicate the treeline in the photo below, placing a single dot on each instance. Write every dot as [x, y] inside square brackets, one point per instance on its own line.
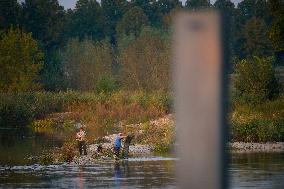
[117, 43]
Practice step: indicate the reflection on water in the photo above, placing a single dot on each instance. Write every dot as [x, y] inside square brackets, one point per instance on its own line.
[261, 170]
[258, 170]
[122, 174]
[15, 147]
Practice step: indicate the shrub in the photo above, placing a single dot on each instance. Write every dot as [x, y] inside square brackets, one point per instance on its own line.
[102, 112]
[255, 81]
[106, 84]
[259, 123]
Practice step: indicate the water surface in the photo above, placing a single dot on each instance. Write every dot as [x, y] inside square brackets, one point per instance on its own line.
[254, 171]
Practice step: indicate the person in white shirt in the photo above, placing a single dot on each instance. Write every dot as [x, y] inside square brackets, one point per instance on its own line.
[81, 138]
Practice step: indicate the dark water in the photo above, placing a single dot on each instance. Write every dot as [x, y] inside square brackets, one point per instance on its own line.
[128, 174]
[261, 170]
[16, 149]
[257, 170]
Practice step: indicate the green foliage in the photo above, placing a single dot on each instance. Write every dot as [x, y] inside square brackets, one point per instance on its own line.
[86, 21]
[160, 134]
[197, 4]
[258, 123]
[10, 13]
[45, 20]
[100, 112]
[106, 84]
[145, 59]
[133, 26]
[20, 61]
[255, 34]
[52, 75]
[276, 33]
[58, 155]
[86, 62]
[255, 81]
[113, 11]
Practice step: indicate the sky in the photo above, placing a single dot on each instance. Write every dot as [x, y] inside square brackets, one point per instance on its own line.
[71, 3]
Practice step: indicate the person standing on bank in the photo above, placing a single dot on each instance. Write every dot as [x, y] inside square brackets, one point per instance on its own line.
[117, 145]
[81, 138]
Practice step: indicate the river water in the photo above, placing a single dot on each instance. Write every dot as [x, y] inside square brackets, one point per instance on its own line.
[255, 171]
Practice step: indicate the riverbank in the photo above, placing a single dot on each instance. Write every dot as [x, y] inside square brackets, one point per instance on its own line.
[140, 150]
[246, 147]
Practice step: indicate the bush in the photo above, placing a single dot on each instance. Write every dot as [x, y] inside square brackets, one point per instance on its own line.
[106, 84]
[100, 112]
[259, 123]
[255, 81]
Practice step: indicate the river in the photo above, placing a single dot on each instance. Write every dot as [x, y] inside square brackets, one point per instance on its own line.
[254, 170]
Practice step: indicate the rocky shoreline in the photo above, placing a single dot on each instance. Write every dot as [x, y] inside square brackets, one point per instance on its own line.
[140, 150]
[153, 136]
[245, 147]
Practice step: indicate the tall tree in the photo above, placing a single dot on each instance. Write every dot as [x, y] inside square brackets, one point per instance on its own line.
[85, 62]
[256, 38]
[276, 32]
[227, 8]
[10, 13]
[20, 61]
[164, 9]
[145, 57]
[252, 8]
[113, 11]
[86, 20]
[197, 4]
[246, 10]
[132, 22]
[52, 74]
[45, 19]
[150, 9]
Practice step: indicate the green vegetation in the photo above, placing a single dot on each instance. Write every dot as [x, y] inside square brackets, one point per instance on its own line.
[20, 62]
[258, 123]
[257, 109]
[101, 112]
[95, 65]
[255, 81]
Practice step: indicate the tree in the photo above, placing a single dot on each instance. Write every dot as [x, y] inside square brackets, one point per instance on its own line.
[248, 10]
[113, 11]
[86, 20]
[164, 8]
[20, 61]
[255, 80]
[197, 4]
[150, 9]
[52, 74]
[227, 8]
[132, 22]
[257, 43]
[10, 13]
[85, 62]
[145, 61]
[253, 8]
[45, 19]
[276, 32]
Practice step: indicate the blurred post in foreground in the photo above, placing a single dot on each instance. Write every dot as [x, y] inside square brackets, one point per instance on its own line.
[198, 76]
